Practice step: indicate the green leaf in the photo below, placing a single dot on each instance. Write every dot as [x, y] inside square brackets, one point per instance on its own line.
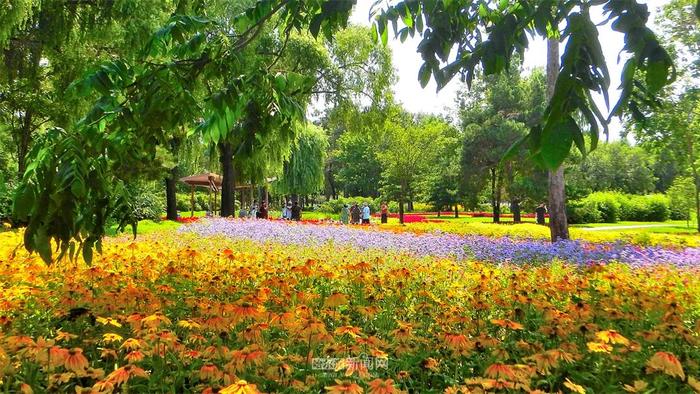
[424, 75]
[556, 141]
[315, 25]
[697, 9]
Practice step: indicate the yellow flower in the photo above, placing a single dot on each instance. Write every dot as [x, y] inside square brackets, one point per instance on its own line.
[637, 387]
[694, 384]
[597, 347]
[612, 336]
[575, 388]
[111, 337]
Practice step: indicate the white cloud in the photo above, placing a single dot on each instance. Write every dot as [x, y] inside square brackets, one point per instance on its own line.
[415, 99]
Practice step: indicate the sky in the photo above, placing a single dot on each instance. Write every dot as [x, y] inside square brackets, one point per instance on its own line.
[418, 100]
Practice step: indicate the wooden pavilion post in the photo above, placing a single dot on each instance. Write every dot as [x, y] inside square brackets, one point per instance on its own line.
[192, 201]
[215, 193]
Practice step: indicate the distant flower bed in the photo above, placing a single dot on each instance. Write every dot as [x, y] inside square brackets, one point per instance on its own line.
[497, 250]
[503, 215]
[186, 219]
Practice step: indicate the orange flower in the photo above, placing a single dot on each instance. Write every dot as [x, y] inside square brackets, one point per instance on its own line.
[102, 387]
[458, 343]
[246, 310]
[134, 357]
[344, 387]
[26, 389]
[378, 386]
[131, 344]
[210, 372]
[75, 361]
[505, 323]
[57, 356]
[500, 371]
[666, 363]
[350, 330]
[123, 374]
[431, 364]
[336, 299]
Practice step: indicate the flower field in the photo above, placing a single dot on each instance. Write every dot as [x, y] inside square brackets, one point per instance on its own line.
[235, 306]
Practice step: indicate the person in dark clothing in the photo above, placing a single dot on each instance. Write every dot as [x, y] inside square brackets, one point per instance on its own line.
[262, 212]
[296, 211]
[539, 212]
[355, 214]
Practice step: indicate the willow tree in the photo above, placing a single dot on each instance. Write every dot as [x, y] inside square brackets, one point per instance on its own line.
[303, 171]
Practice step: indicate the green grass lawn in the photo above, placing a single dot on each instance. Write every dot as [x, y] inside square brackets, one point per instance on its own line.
[668, 227]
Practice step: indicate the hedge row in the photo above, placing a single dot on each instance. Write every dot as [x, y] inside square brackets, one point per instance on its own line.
[610, 207]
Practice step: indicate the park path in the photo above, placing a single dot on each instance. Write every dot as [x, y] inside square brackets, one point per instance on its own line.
[626, 227]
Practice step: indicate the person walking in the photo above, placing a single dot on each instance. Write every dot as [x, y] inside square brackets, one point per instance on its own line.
[540, 212]
[242, 213]
[287, 212]
[344, 214]
[355, 214]
[385, 212]
[365, 213]
[296, 211]
[253, 214]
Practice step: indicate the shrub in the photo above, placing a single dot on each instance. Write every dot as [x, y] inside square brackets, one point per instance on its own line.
[142, 202]
[681, 197]
[334, 206]
[6, 192]
[656, 208]
[609, 207]
[583, 211]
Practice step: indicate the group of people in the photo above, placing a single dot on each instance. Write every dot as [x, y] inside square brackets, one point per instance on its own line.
[254, 212]
[356, 215]
[291, 211]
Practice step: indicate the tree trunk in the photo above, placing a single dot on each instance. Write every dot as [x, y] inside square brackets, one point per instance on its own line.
[23, 144]
[228, 182]
[401, 211]
[495, 196]
[558, 226]
[410, 205]
[456, 211]
[696, 178]
[515, 207]
[171, 195]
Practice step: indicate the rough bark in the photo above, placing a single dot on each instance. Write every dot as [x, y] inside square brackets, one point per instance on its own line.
[558, 226]
[23, 144]
[495, 196]
[171, 195]
[228, 182]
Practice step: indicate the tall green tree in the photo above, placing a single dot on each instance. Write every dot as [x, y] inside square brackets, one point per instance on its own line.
[303, 171]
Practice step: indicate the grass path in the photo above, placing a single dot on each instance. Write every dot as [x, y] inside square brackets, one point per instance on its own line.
[610, 228]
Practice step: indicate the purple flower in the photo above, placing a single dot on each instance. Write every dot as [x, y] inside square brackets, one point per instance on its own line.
[497, 250]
